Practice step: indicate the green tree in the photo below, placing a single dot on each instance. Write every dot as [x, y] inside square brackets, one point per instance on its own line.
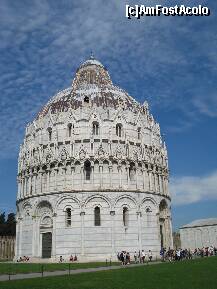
[2, 218]
[11, 218]
[7, 228]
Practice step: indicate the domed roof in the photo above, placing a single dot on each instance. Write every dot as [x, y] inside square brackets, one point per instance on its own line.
[93, 83]
[91, 61]
[201, 223]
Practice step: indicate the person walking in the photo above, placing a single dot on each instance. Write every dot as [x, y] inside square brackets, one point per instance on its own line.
[150, 255]
[143, 256]
[135, 257]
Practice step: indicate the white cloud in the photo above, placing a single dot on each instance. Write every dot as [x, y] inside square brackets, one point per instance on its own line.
[207, 105]
[187, 190]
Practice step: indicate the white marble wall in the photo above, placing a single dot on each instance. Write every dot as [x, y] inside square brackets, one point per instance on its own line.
[82, 237]
[198, 237]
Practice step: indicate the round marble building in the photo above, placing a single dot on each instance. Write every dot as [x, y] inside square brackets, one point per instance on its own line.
[92, 175]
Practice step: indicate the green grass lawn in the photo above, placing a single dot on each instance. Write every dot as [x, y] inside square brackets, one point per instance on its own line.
[15, 268]
[193, 274]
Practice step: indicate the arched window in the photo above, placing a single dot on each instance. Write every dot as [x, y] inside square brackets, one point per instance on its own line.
[132, 172]
[139, 132]
[50, 133]
[95, 128]
[97, 220]
[148, 216]
[119, 130]
[87, 170]
[68, 217]
[69, 130]
[125, 216]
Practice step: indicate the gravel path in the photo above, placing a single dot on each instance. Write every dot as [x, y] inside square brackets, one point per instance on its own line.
[66, 272]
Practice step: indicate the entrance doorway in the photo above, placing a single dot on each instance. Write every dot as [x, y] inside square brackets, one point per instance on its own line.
[46, 245]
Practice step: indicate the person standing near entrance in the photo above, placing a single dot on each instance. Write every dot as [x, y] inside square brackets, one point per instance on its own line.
[136, 257]
[150, 255]
[143, 256]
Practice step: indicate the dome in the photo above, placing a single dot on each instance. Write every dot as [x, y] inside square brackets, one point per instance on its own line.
[92, 174]
[91, 61]
[93, 81]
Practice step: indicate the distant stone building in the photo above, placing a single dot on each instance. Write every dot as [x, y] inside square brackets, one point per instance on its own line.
[93, 174]
[176, 240]
[199, 233]
[7, 246]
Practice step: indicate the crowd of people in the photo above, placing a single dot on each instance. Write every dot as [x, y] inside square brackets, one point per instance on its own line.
[166, 255]
[180, 254]
[23, 259]
[71, 259]
[139, 257]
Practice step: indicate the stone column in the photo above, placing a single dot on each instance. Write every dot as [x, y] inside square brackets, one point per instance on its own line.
[54, 236]
[110, 175]
[171, 232]
[30, 183]
[64, 180]
[120, 175]
[112, 214]
[26, 186]
[34, 229]
[72, 177]
[160, 183]
[139, 230]
[73, 149]
[20, 196]
[82, 175]
[82, 232]
[40, 180]
[110, 148]
[150, 180]
[143, 174]
[17, 239]
[18, 187]
[70, 149]
[100, 171]
[136, 176]
[20, 237]
[48, 179]
[92, 173]
[156, 182]
[55, 177]
[128, 175]
[22, 187]
[35, 178]
[23, 193]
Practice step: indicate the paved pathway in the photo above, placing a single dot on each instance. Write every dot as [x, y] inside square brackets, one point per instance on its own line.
[66, 272]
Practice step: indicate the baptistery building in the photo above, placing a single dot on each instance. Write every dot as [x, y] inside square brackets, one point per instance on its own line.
[92, 175]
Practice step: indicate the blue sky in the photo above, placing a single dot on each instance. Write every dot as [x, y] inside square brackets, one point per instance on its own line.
[169, 61]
